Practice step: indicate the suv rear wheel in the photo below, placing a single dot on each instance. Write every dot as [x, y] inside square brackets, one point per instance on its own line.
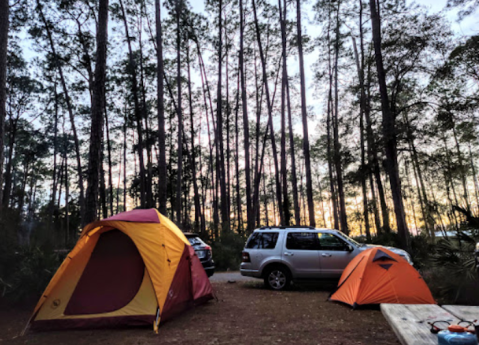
[277, 278]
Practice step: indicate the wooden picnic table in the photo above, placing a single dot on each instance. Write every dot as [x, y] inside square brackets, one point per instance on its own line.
[410, 321]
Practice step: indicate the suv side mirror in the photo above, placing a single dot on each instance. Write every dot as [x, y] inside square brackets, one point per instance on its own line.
[349, 248]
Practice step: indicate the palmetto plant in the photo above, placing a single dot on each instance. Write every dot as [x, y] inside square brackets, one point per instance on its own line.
[454, 264]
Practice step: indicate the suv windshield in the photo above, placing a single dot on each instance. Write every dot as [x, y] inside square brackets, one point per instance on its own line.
[350, 239]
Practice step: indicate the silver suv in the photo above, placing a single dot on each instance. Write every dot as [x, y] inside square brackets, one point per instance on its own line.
[282, 254]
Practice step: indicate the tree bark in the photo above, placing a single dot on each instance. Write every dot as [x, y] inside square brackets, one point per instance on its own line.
[307, 158]
[220, 159]
[373, 156]
[55, 151]
[8, 170]
[102, 190]
[360, 68]
[179, 173]
[270, 117]
[237, 170]
[337, 159]
[124, 161]
[389, 132]
[110, 165]
[199, 220]
[244, 105]
[144, 115]
[287, 215]
[161, 111]
[97, 114]
[138, 111]
[4, 26]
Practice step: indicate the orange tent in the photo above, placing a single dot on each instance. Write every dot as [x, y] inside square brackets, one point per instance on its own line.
[130, 269]
[378, 275]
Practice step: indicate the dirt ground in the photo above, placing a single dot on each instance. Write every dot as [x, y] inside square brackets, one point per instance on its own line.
[246, 313]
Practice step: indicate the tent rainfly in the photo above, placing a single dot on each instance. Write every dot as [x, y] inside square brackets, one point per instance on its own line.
[378, 275]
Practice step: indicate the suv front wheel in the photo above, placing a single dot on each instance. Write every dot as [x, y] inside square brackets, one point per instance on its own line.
[277, 278]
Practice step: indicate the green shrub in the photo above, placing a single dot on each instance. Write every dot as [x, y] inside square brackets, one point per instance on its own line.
[452, 275]
[25, 272]
[227, 251]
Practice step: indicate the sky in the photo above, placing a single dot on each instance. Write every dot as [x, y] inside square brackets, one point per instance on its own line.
[467, 27]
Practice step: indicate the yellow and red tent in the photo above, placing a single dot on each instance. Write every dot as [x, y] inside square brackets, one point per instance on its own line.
[133, 268]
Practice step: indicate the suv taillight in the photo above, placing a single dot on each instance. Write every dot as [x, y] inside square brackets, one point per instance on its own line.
[246, 257]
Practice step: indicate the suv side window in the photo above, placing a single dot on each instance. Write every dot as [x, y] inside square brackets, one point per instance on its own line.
[302, 241]
[268, 240]
[330, 242]
[262, 240]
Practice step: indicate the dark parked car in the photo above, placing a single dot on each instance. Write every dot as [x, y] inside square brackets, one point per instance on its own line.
[203, 251]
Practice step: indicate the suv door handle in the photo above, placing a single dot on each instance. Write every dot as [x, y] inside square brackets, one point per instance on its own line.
[326, 255]
[288, 254]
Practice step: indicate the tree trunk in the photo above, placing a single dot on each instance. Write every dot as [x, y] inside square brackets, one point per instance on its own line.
[244, 104]
[179, 173]
[97, 114]
[199, 220]
[8, 170]
[360, 68]
[124, 162]
[474, 176]
[389, 132]
[220, 159]
[237, 171]
[138, 111]
[328, 130]
[287, 215]
[210, 156]
[69, 106]
[307, 158]
[4, 24]
[55, 150]
[337, 159]
[373, 156]
[161, 112]
[110, 176]
[270, 118]
[102, 191]
[67, 205]
[294, 179]
[228, 127]
[144, 116]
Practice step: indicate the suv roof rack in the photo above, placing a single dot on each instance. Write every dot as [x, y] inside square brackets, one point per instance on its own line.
[287, 227]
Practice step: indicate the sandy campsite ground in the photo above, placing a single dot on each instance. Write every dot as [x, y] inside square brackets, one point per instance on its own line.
[246, 313]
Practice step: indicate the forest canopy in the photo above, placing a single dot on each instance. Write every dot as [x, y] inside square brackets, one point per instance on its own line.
[354, 115]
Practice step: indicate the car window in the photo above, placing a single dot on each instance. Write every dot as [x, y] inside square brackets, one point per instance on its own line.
[253, 241]
[263, 240]
[194, 241]
[302, 241]
[268, 240]
[330, 242]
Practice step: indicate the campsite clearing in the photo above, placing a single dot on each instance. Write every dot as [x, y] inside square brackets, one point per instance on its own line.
[246, 313]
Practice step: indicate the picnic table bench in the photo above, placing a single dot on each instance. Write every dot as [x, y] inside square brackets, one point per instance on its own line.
[410, 321]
